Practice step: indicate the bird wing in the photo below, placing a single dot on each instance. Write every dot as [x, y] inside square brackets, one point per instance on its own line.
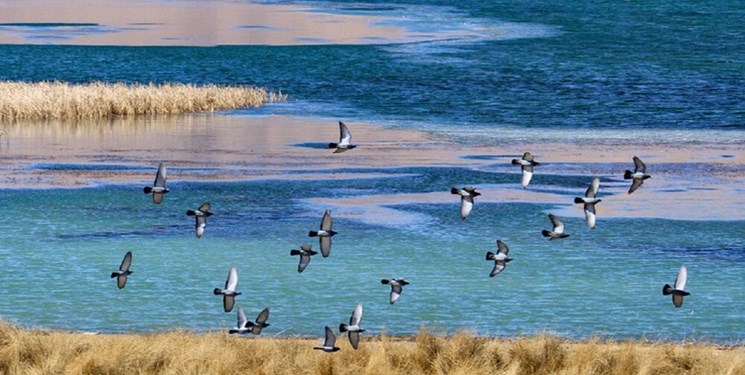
[305, 247]
[345, 136]
[304, 260]
[121, 281]
[498, 267]
[527, 174]
[227, 302]
[330, 338]
[528, 156]
[242, 320]
[356, 317]
[325, 242]
[354, 338]
[503, 249]
[205, 207]
[395, 292]
[639, 165]
[677, 300]
[327, 222]
[263, 316]
[232, 282]
[558, 224]
[160, 176]
[158, 197]
[466, 205]
[593, 189]
[590, 214]
[635, 183]
[126, 262]
[680, 280]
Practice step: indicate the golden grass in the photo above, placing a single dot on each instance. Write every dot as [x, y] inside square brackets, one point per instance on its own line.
[25, 351]
[64, 101]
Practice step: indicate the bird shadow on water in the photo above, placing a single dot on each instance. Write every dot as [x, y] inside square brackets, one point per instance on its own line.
[313, 145]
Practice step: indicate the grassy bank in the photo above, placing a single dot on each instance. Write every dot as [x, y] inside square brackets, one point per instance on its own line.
[38, 352]
[64, 101]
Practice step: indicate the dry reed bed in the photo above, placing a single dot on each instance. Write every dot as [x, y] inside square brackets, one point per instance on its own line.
[25, 351]
[64, 101]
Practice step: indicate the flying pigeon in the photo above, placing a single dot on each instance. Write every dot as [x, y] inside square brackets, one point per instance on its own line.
[558, 230]
[159, 186]
[638, 176]
[328, 341]
[589, 201]
[121, 275]
[679, 291]
[345, 140]
[201, 215]
[396, 287]
[305, 253]
[324, 234]
[229, 293]
[353, 328]
[500, 258]
[247, 326]
[466, 199]
[526, 166]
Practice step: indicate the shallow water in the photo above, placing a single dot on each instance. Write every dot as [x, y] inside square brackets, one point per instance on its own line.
[606, 72]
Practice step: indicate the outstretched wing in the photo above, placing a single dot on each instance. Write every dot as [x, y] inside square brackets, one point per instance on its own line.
[639, 165]
[503, 249]
[160, 176]
[345, 136]
[680, 280]
[327, 222]
[558, 224]
[593, 189]
[356, 317]
[304, 260]
[205, 207]
[242, 320]
[635, 183]
[263, 316]
[330, 338]
[466, 205]
[232, 282]
[126, 262]
[527, 174]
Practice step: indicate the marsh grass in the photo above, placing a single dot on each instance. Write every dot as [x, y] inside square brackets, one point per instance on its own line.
[24, 351]
[64, 101]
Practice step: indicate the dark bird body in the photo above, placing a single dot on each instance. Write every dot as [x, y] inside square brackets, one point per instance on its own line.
[345, 140]
[353, 329]
[325, 233]
[637, 176]
[589, 201]
[678, 291]
[397, 285]
[329, 341]
[467, 194]
[200, 214]
[526, 167]
[500, 258]
[558, 229]
[124, 271]
[305, 253]
[230, 292]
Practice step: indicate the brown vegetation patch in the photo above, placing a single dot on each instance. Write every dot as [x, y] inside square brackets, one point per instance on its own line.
[64, 101]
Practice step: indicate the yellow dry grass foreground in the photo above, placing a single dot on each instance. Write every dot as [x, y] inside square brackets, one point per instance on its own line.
[64, 101]
[24, 351]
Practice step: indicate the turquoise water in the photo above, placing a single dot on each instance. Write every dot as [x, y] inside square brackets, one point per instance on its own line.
[565, 70]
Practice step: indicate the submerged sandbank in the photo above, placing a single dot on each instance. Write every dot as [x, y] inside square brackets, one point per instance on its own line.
[694, 181]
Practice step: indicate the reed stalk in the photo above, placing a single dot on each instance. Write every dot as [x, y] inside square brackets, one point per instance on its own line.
[65, 101]
[26, 351]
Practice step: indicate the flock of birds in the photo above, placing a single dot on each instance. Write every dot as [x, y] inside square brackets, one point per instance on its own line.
[326, 232]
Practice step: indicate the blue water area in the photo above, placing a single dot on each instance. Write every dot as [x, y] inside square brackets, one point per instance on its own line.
[507, 71]
[605, 281]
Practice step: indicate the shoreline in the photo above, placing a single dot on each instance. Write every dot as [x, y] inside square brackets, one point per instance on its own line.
[687, 178]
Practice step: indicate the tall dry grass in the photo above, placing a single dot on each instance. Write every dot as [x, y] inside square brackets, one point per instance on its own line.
[38, 352]
[64, 101]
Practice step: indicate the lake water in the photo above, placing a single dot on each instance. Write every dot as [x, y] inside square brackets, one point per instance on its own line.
[605, 71]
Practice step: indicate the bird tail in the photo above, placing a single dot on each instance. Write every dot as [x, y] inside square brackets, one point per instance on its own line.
[385, 281]
[147, 189]
[489, 255]
[231, 331]
[546, 233]
[313, 234]
[342, 328]
[578, 200]
[667, 290]
[628, 175]
[515, 161]
[218, 291]
[294, 252]
[455, 191]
